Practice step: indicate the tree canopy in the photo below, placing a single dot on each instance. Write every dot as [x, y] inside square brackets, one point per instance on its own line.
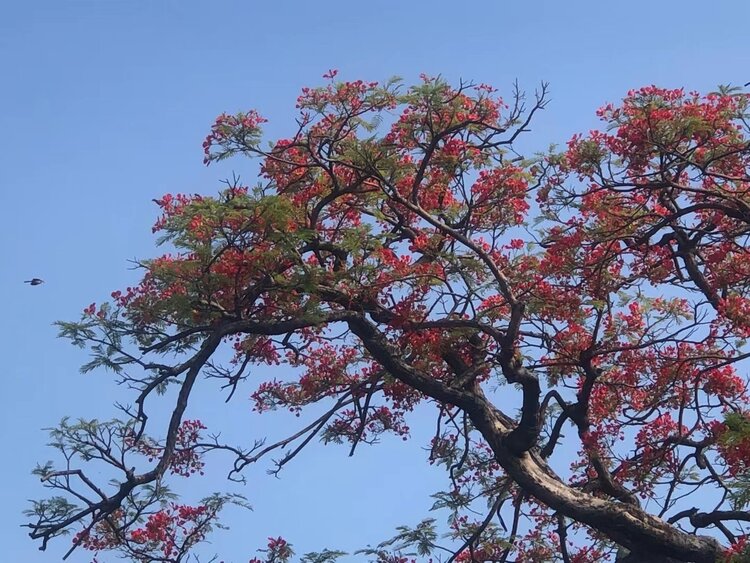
[577, 321]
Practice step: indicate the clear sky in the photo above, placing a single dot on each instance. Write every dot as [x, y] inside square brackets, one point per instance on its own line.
[104, 105]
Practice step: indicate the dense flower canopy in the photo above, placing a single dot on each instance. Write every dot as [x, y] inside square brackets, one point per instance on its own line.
[399, 251]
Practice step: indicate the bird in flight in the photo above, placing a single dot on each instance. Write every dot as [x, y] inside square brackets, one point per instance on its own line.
[34, 281]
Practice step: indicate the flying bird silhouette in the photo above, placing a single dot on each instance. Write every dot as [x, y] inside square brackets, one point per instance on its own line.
[34, 281]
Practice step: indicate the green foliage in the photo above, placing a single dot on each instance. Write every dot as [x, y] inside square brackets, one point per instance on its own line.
[325, 556]
[740, 492]
[739, 427]
[421, 539]
[53, 509]
[80, 334]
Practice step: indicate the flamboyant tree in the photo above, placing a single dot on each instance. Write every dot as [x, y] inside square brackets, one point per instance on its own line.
[576, 321]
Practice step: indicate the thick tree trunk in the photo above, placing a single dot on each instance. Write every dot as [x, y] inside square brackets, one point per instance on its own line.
[627, 525]
[650, 539]
[644, 558]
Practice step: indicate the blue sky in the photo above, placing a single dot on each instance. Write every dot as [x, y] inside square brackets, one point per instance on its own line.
[104, 105]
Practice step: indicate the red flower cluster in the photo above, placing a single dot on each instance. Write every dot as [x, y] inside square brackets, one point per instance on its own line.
[172, 530]
[733, 442]
[185, 459]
